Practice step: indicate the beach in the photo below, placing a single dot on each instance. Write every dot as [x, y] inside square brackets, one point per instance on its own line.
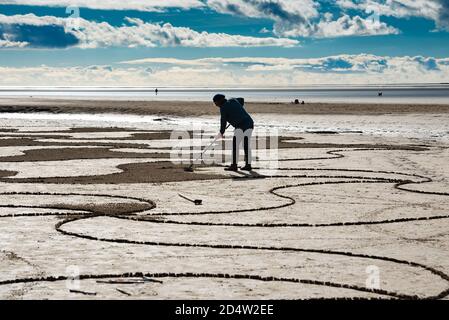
[355, 206]
[201, 108]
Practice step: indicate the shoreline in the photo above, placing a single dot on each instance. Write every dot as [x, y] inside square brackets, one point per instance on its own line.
[201, 108]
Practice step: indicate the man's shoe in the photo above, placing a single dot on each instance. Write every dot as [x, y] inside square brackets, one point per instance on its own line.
[232, 167]
[248, 167]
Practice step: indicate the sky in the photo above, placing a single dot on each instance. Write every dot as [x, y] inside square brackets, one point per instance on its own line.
[223, 43]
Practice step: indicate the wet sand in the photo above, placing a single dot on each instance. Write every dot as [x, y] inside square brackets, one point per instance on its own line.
[192, 109]
[338, 206]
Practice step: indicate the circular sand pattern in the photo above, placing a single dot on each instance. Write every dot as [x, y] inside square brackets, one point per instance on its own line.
[130, 208]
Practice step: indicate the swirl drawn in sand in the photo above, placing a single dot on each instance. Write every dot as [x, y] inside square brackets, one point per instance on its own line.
[138, 210]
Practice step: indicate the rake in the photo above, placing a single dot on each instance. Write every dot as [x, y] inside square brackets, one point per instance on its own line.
[191, 167]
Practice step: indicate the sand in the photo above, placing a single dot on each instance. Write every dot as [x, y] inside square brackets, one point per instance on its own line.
[103, 201]
[192, 108]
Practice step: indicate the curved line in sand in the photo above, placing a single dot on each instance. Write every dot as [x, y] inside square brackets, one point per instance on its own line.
[399, 185]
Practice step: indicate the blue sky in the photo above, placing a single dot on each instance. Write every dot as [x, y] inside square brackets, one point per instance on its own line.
[253, 42]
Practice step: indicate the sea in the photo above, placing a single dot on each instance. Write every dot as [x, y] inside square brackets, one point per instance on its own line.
[404, 94]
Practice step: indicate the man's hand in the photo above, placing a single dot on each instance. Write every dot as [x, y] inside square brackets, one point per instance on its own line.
[219, 136]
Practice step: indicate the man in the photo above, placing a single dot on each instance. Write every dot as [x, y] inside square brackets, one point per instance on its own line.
[232, 111]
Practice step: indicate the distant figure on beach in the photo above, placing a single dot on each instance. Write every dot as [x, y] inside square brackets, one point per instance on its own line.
[380, 94]
[232, 111]
[297, 102]
[156, 91]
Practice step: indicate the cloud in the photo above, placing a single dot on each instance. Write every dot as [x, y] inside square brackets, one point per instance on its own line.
[286, 14]
[343, 26]
[12, 44]
[169, 61]
[309, 18]
[437, 10]
[303, 18]
[430, 64]
[443, 15]
[146, 5]
[38, 36]
[49, 31]
[265, 72]
[394, 8]
[333, 64]
[7, 40]
[239, 72]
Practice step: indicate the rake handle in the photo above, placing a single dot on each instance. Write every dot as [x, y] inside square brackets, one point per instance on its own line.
[184, 197]
[208, 147]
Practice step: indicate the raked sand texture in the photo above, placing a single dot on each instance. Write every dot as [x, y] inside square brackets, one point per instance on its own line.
[93, 212]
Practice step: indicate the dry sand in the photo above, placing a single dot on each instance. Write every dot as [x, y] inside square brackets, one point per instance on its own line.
[104, 203]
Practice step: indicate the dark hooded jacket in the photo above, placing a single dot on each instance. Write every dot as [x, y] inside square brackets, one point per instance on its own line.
[234, 113]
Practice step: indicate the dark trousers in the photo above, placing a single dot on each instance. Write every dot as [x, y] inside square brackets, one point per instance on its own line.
[240, 134]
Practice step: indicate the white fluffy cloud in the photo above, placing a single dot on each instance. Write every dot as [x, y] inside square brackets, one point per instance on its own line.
[238, 72]
[308, 18]
[12, 44]
[89, 34]
[395, 8]
[141, 5]
[443, 15]
[366, 64]
[292, 18]
[303, 18]
[287, 15]
[343, 26]
[437, 10]
[171, 61]
[7, 42]
[295, 17]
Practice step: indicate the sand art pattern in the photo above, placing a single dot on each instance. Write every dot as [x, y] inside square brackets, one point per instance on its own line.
[105, 200]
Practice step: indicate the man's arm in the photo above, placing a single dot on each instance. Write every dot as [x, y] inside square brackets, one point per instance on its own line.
[223, 121]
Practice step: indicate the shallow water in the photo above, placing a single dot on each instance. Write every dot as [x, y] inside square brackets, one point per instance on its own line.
[433, 127]
[416, 94]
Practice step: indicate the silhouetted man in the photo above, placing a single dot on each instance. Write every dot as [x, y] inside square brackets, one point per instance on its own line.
[232, 111]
